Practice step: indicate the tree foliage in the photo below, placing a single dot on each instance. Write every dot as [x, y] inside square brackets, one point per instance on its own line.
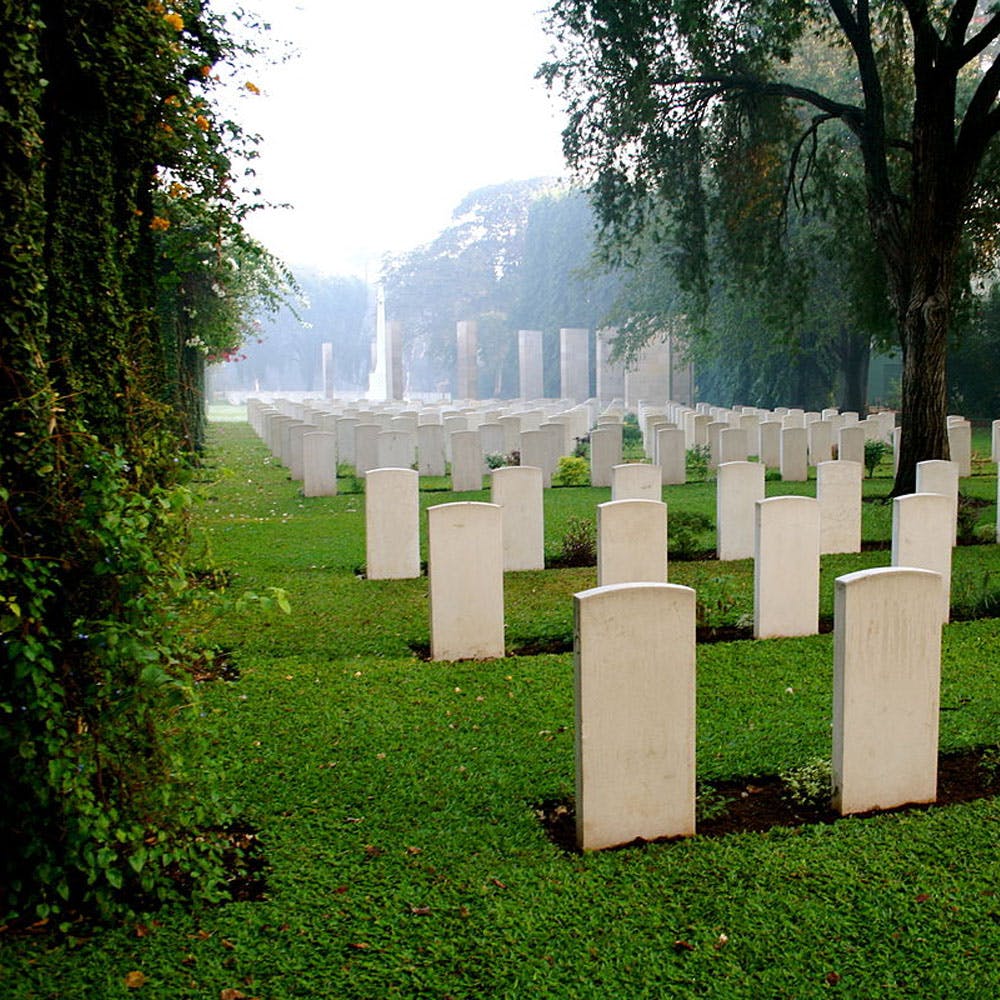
[703, 103]
[102, 102]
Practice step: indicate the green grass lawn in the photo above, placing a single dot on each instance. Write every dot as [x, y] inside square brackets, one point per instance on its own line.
[396, 798]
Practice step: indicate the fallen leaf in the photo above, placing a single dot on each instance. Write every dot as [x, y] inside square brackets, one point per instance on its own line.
[680, 946]
[420, 911]
[359, 945]
[498, 883]
[231, 994]
[133, 980]
[832, 978]
[923, 897]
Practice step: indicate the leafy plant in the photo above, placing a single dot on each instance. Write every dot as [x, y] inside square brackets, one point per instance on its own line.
[572, 471]
[686, 532]
[875, 452]
[696, 462]
[811, 784]
[579, 543]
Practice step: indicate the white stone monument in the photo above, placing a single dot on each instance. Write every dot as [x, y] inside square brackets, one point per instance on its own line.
[517, 490]
[739, 485]
[631, 542]
[838, 490]
[392, 524]
[922, 539]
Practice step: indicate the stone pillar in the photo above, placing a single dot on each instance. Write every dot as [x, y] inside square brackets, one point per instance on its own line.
[574, 363]
[631, 542]
[634, 660]
[392, 524]
[649, 377]
[467, 372]
[886, 684]
[529, 364]
[465, 570]
[610, 375]
[326, 360]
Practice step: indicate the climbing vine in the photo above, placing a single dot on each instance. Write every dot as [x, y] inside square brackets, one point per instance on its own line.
[122, 220]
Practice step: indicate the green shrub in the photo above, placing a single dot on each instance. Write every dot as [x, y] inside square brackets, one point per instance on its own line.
[572, 471]
[696, 462]
[811, 784]
[579, 543]
[875, 451]
[686, 531]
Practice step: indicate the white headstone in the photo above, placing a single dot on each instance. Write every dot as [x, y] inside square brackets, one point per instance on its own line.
[465, 567]
[939, 476]
[605, 452]
[466, 462]
[631, 542]
[738, 488]
[960, 446]
[794, 455]
[851, 443]
[517, 490]
[392, 524]
[786, 567]
[838, 490]
[635, 713]
[887, 667]
[922, 539]
[672, 456]
[430, 450]
[636, 481]
[319, 464]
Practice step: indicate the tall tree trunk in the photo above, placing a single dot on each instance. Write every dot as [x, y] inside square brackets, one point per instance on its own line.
[855, 355]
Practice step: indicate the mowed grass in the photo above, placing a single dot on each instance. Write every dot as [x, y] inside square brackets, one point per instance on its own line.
[396, 798]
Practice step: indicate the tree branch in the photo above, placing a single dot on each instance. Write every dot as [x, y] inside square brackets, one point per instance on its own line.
[852, 115]
[978, 44]
[958, 24]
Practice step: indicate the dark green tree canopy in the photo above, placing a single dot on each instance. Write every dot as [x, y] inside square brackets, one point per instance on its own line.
[705, 105]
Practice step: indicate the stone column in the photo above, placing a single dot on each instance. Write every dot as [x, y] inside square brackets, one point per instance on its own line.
[574, 363]
[531, 383]
[467, 373]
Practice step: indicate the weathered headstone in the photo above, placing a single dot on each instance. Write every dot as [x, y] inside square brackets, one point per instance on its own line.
[466, 462]
[605, 452]
[465, 567]
[392, 524]
[634, 658]
[794, 455]
[887, 667]
[838, 490]
[631, 542]
[770, 444]
[851, 443]
[319, 464]
[733, 445]
[922, 539]
[430, 450]
[672, 456]
[397, 449]
[366, 447]
[636, 481]
[960, 445]
[939, 476]
[517, 490]
[738, 488]
[786, 567]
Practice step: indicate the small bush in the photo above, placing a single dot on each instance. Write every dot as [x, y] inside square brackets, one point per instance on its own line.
[811, 784]
[495, 461]
[572, 471]
[582, 448]
[685, 534]
[579, 544]
[875, 451]
[696, 462]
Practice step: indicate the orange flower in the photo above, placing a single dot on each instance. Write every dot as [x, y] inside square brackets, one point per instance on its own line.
[206, 69]
[175, 21]
[158, 224]
[202, 122]
[252, 87]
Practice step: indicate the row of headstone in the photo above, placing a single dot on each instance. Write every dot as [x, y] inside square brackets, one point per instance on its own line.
[634, 661]
[426, 439]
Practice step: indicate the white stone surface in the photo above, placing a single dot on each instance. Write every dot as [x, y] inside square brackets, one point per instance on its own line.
[887, 667]
[397, 449]
[671, 456]
[430, 449]
[922, 537]
[465, 569]
[820, 441]
[851, 443]
[939, 476]
[636, 481]
[739, 485]
[631, 542]
[392, 524]
[466, 462]
[605, 453]
[770, 444]
[794, 454]
[634, 658]
[733, 445]
[366, 447]
[517, 490]
[786, 567]
[319, 464]
[960, 445]
[838, 490]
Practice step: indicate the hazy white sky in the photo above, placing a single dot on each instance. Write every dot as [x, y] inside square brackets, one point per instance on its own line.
[392, 112]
